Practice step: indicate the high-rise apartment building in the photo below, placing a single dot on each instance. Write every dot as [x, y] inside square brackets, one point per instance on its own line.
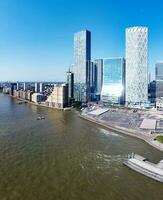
[82, 57]
[113, 87]
[136, 65]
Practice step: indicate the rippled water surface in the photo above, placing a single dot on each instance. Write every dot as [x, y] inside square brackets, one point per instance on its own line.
[66, 158]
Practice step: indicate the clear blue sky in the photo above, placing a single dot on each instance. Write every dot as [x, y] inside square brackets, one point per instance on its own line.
[36, 36]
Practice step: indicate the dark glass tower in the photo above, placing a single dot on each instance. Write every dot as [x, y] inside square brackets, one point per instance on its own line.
[98, 63]
[70, 82]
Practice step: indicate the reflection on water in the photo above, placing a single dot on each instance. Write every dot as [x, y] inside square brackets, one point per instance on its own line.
[65, 157]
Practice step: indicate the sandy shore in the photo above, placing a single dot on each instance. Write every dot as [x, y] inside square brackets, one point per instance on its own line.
[143, 136]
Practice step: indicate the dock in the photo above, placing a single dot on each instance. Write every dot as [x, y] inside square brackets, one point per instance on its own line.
[143, 166]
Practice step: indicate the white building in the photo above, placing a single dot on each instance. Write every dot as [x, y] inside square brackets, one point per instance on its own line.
[59, 97]
[25, 86]
[37, 97]
[136, 64]
[37, 87]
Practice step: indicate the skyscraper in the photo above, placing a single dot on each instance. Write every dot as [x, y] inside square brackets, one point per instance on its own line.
[82, 57]
[136, 64]
[159, 80]
[113, 87]
[70, 83]
[99, 77]
[92, 76]
[159, 70]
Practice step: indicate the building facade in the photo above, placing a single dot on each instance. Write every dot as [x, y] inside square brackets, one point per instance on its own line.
[159, 70]
[59, 97]
[159, 83]
[82, 57]
[113, 87]
[92, 80]
[70, 82]
[37, 87]
[136, 65]
[98, 63]
[36, 97]
[152, 92]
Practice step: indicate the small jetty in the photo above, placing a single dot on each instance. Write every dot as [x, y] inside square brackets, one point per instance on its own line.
[143, 166]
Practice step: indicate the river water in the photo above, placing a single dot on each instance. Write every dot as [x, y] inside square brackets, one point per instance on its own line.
[66, 158]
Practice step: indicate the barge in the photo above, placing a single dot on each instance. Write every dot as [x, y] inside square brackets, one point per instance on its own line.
[143, 166]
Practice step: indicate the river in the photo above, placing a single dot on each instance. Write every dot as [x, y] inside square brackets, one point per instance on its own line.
[66, 158]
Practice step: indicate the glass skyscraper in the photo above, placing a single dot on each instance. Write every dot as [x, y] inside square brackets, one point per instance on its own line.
[82, 58]
[92, 75]
[159, 70]
[113, 81]
[70, 82]
[136, 65]
[159, 80]
[99, 76]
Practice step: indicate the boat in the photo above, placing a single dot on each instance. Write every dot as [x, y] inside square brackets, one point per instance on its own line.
[143, 166]
[67, 109]
[40, 117]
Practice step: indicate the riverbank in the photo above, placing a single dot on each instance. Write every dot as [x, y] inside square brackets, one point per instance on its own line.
[37, 104]
[147, 137]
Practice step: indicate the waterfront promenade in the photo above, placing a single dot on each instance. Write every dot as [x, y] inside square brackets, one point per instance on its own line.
[127, 122]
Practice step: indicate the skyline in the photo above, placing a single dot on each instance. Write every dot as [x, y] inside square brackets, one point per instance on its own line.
[36, 42]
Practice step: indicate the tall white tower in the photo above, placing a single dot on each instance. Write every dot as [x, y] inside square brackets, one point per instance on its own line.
[136, 64]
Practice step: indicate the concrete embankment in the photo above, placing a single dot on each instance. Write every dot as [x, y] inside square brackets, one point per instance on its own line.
[143, 136]
[35, 104]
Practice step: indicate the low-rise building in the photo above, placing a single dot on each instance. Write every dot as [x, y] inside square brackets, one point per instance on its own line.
[29, 95]
[59, 97]
[36, 97]
[6, 90]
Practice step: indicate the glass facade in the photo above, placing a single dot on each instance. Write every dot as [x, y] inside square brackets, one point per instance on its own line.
[82, 57]
[159, 88]
[159, 71]
[136, 65]
[113, 81]
[70, 82]
[99, 76]
[92, 75]
[159, 80]
[152, 92]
